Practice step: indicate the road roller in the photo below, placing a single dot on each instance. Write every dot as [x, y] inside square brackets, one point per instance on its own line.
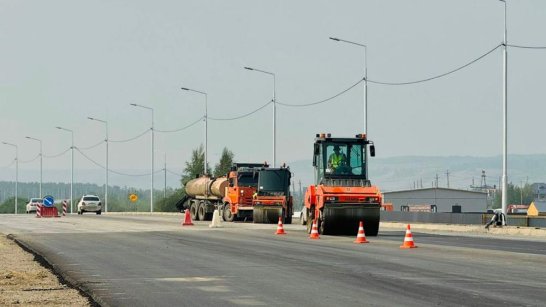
[272, 198]
[342, 194]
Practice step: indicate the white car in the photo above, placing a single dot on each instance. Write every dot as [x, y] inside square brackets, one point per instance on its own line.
[89, 203]
[33, 203]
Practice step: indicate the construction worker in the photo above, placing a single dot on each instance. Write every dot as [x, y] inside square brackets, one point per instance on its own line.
[336, 159]
[498, 219]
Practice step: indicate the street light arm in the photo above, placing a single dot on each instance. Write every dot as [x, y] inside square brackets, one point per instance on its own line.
[259, 70]
[346, 41]
[192, 90]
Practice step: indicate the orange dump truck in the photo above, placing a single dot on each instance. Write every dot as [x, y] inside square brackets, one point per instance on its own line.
[342, 195]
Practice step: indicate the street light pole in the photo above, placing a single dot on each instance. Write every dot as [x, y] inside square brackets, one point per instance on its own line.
[206, 124]
[41, 164]
[365, 78]
[16, 171]
[106, 172]
[152, 161]
[274, 110]
[71, 168]
[505, 116]
[365, 89]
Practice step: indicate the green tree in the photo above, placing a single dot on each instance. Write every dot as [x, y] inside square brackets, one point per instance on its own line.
[224, 165]
[8, 206]
[169, 204]
[516, 195]
[194, 167]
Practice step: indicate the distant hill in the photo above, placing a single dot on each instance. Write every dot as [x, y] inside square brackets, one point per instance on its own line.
[392, 173]
[403, 172]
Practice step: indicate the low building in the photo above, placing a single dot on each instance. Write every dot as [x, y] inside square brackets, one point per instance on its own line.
[442, 199]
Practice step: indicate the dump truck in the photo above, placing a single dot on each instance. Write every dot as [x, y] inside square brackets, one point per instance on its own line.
[342, 194]
[250, 191]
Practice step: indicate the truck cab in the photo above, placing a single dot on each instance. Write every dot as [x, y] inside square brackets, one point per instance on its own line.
[243, 183]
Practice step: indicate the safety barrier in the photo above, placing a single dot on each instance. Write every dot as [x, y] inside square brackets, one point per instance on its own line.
[461, 218]
[43, 211]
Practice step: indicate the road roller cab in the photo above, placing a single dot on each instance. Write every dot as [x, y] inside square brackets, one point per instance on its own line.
[272, 198]
[342, 195]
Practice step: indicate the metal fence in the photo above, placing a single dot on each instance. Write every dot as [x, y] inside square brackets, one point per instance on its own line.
[460, 218]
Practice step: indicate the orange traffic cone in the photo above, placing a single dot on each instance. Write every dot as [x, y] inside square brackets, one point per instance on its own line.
[314, 231]
[361, 236]
[408, 239]
[280, 229]
[187, 218]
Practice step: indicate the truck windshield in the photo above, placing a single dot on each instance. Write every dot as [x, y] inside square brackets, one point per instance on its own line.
[247, 179]
[274, 182]
[344, 159]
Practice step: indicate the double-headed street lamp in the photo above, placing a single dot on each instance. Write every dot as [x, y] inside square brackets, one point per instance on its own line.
[16, 171]
[41, 160]
[274, 110]
[206, 124]
[71, 167]
[152, 160]
[106, 172]
[365, 78]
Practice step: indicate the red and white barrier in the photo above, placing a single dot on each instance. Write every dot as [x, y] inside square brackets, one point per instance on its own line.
[64, 207]
[38, 210]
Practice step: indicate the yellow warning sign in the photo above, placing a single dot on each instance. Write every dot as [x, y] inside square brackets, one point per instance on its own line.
[133, 197]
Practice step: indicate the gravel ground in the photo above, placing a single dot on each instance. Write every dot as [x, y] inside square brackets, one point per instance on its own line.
[25, 282]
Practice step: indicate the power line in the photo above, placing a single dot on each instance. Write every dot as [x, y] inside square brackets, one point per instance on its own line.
[93, 146]
[173, 173]
[242, 116]
[130, 139]
[183, 128]
[324, 100]
[527, 47]
[31, 160]
[440, 75]
[57, 155]
[12, 162]
[112, 171]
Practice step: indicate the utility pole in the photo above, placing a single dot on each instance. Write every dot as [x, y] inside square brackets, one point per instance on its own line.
[436, 180]
[447, 174]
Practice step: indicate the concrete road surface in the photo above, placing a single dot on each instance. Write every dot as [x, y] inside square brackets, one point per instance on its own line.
[153, 261]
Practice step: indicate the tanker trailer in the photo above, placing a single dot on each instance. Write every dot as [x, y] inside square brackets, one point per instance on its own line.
[204, 195]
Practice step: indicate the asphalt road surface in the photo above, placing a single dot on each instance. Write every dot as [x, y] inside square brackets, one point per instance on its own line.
[153, 261]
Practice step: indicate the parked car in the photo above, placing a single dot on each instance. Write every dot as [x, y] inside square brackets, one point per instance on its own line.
[33, 203]
[89, 203]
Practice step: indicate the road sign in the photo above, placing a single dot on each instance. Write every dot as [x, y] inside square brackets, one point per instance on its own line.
[49, 201]
[133, 197]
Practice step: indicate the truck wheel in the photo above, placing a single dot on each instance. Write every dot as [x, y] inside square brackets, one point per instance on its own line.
[193, 211]
[228, 215]
[288, 217]
[201, 212]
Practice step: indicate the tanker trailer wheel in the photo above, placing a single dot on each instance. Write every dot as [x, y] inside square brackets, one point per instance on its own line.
[228, 215]
[193, 210]
[201, 211]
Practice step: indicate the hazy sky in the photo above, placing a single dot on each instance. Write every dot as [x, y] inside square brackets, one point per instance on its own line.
[62, 61]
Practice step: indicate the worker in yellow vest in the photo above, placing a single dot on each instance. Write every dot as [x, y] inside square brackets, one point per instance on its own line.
[337, 159]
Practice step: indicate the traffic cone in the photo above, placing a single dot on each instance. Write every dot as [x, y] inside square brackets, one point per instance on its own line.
[361, 236]
[314, 231]
[187, 218]
[280, 229]
[408, 239]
